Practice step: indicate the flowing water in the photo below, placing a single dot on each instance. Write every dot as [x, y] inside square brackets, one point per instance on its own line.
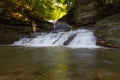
[58, 63]
[81, 38]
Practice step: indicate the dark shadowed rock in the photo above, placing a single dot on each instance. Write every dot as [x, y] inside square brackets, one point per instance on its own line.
[62, 27]
[9, 34]
[88, 12]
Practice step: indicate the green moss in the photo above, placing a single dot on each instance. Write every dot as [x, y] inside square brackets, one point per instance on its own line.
[116, 33]
[108, 31]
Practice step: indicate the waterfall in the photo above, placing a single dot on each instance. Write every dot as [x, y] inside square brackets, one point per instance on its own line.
[81, 38]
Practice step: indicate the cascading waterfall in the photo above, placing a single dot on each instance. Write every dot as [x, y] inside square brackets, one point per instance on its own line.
[80, 38]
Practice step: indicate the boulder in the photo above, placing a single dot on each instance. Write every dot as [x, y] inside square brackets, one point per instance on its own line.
[62, 27]
[107, 31]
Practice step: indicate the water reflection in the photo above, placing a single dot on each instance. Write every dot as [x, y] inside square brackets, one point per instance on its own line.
[82, 62]
[108, 65]
[58, 63]
[55, 60]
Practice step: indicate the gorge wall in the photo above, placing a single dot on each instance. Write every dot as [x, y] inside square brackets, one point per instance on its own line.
[101, 15]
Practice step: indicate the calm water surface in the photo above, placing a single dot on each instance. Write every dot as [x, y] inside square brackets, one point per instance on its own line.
[58, 63]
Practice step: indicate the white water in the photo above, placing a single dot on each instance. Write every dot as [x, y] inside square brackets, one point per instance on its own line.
[83, 39]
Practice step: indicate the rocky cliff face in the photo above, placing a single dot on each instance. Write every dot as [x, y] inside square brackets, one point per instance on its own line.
[9, 34]
[90, 11]
[85, 13]
[101, 15]
[108, 31]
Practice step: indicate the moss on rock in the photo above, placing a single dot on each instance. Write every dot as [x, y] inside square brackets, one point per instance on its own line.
[108, 31]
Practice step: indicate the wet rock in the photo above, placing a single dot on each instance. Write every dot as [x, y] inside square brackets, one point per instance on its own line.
[108, 31]
[62, 27]
[69, 39]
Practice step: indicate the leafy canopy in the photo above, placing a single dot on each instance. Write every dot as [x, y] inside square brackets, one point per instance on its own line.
[47, 9]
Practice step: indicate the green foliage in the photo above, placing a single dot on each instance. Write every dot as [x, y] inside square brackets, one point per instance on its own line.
[47, 9]
[50, 9]
[59, 10]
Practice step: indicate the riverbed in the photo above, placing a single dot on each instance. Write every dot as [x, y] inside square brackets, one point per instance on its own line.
[58, 63]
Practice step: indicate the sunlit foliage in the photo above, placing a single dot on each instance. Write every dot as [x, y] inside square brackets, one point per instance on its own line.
[46, 9]
[50, 9]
